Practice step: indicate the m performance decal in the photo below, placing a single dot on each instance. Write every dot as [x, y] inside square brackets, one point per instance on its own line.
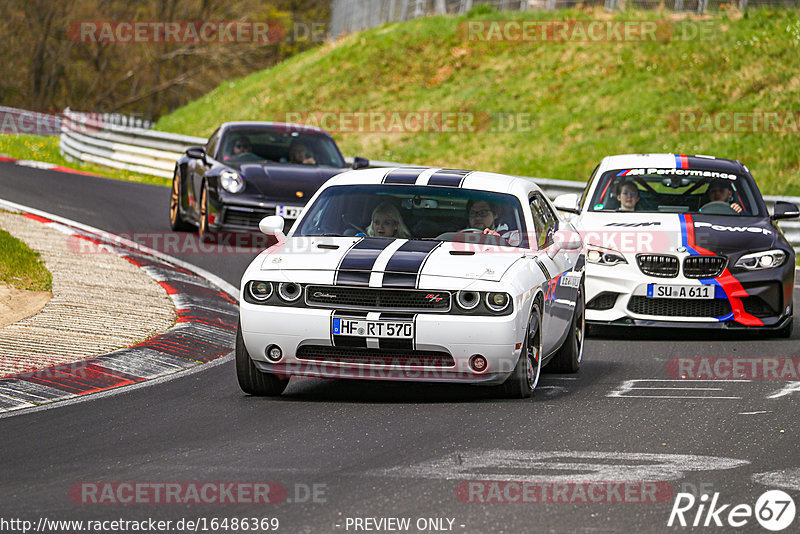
[405, 265]
[448, 178]
[729, 284]
[403, 176]
[356, 265]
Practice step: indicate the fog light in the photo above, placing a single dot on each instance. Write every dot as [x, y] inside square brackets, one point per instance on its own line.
[478, 363]
[274, 353]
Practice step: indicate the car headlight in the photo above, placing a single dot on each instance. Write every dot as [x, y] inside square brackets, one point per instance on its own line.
[762, 260]
[497, 302]
[231, 181]
[289, 291]
[604, 257]
[260, 291]
[468, 300]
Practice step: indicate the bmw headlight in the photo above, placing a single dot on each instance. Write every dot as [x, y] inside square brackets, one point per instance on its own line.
[762, 260]
[604, 257]
[231, 182]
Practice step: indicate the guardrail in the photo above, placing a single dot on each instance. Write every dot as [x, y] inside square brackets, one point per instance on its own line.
[88, 137]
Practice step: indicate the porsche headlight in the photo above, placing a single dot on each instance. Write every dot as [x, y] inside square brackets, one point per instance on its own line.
[762, 260]
[604, 257]
[231, 182]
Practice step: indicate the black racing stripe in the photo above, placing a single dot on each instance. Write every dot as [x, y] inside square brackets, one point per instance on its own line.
[356, 265]
[406, 263]
[339, 340]
[384, 343]
[403, 176]
[448, 178]
[718, 165]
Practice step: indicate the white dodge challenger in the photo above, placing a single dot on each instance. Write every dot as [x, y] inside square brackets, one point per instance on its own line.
[415, 274]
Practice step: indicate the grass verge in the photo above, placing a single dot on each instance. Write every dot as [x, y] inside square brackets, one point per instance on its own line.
[21, 267]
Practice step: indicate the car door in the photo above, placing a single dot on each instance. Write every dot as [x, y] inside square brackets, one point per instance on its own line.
[556, 263]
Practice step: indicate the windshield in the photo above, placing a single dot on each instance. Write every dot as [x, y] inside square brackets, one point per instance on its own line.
[416, 212]
[279, 146]
[675, 191]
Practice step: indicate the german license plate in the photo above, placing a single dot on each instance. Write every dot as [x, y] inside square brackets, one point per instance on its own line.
[364, 328]
[288, 212]
[663, 291]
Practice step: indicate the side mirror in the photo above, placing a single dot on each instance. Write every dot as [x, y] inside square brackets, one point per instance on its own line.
[272, 225]
[197, 152]
[360, 163]
[567, 202]
[785, 210]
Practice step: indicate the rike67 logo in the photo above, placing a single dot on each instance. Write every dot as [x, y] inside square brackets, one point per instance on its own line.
[774, 510]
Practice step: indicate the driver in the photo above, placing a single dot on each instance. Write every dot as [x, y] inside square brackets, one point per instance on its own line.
[721, 190]
[483, 215]
[241, 145]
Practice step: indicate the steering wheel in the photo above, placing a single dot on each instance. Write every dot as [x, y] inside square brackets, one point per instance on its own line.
[718, 208]
[469, 230]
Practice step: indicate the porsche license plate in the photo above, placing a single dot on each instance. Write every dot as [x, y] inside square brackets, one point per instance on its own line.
[663, 291]
[288, 212]
[364, 328]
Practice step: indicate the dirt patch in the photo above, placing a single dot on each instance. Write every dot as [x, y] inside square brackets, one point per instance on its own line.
[17, 304]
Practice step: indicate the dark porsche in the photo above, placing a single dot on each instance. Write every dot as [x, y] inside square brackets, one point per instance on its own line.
[250, 170]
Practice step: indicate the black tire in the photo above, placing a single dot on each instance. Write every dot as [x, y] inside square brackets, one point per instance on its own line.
[568, 358]
[523, 379]
[176, 222]
[786, 331]
[251, 380]
[202, 228]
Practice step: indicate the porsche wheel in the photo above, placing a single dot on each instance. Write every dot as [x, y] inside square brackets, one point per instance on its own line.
[251, 380]
[568, 358]
[522, 381]
[176, 222]
[202, 229]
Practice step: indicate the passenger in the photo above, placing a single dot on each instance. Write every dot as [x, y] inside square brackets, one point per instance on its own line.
[628, 196]
[386, 221]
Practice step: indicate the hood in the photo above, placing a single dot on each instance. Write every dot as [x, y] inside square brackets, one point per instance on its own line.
[399, 258]
[283, 181]
[665, 233]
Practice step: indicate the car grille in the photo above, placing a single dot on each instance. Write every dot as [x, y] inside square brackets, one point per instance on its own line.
[343, 297]
[246, 218]
[658, 265]
[703, 266]
[386, 357]
[679, 307]
[603, 301]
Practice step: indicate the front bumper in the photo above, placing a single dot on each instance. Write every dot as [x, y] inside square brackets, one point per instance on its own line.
[458, 337]
[758, 299]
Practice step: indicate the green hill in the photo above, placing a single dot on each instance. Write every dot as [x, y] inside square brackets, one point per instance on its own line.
[583, 99]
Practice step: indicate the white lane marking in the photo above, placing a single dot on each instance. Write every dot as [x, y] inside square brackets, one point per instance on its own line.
[784, 478]
[567, 466]
[788, 389]
[624, 389]
[755, 413]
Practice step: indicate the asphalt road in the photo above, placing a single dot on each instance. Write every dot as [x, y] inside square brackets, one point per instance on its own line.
[349, 453]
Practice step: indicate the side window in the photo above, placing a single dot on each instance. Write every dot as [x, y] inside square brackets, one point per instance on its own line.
[211, 145]
[544, 221]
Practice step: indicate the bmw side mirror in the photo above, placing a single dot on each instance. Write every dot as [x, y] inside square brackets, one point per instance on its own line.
[197, 152]
[360, 163]
[272, 225]
[785, 210]
[567, 202]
